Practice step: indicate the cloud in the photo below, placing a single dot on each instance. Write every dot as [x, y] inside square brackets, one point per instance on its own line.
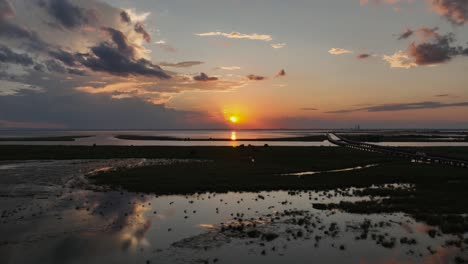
[110, 59]
[281, 73]
[183, 64]
[456, 11]
[14, 88]
[278, 45]
[166, 47]
[140, 28]
[125, 17]
[75, 109]
[402, 107]
[146, 91]
[406, 34]
[228, 68]
[45, 59]
[436, 51]
[66, 13]
[54, 66]
[428, 33]
[64, 56]
[363, 56]
[120, 40]
[377, 2]
[9, 30]
[423, 32]
[6, 9]
[339, 51]
[203, 77]
[117, 57]
[9, 56]
[308, 109]
[237, 35]
[442, 95]
[135, 16]
[399, 59]
[6, 124]
[156, 91]
[254, 77]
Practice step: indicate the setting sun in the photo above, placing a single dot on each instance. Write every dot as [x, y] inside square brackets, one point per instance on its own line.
[234, 119]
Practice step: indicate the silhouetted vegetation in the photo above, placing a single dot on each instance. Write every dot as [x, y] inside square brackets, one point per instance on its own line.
[403, 138]
[284, 139]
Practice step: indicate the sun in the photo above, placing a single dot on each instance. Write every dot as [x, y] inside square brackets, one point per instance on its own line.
[234, 119]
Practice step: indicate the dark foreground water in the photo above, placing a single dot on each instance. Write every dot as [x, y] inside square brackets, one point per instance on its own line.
[50, 214]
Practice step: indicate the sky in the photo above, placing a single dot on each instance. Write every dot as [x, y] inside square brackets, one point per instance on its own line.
[165, 64]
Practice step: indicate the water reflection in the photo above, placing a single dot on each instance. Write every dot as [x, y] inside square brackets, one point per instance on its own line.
[80, 225]
[233, 136]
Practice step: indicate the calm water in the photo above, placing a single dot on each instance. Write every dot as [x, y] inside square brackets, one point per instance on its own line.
[50, 214]
[108, 138]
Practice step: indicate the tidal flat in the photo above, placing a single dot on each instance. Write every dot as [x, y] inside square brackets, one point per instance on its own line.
[65, 204]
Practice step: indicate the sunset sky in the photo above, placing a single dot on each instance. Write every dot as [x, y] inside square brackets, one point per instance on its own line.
[156, 64]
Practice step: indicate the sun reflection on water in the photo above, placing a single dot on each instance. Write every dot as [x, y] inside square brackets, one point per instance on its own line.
[233, 136]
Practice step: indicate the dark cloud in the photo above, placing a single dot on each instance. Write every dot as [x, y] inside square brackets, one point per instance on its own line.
[254, 77]
[116, 57]
[456, 11]
[76, 71]
[39, 67]
[436, 51]
[120, 40]
[125, 17]
[107, 58]
[406, 34]
[66, 57]
[13, 31]
[203, 77]
[78, 110]
[423, 32]
[9, 56]
[308, 109]
[55, 66]
[183, 64]
[281, 73]
[67, 14]
[363, 56]
[401, 107]
[442, 95]
[140, 28]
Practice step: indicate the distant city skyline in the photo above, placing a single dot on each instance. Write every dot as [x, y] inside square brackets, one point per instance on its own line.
[259, 64]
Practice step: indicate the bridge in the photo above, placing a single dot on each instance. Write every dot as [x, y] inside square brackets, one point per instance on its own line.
[418, 157]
